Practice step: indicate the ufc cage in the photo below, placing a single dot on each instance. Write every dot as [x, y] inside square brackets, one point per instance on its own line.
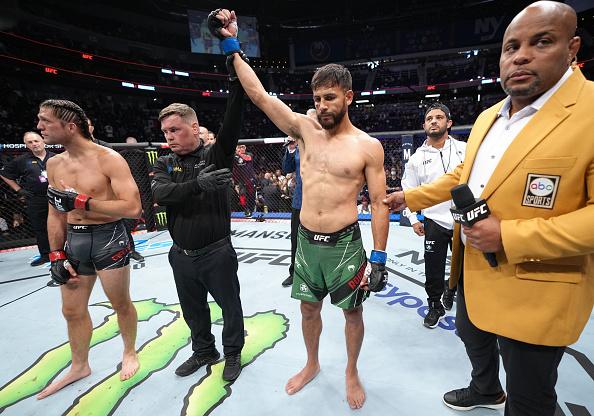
[261, 189]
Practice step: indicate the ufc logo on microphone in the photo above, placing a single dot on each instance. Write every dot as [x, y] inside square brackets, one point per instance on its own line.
[458, 217]
[477, 212]
[322, 238]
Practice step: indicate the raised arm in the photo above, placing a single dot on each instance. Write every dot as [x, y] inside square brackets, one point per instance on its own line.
[223, 25]
[228, 135]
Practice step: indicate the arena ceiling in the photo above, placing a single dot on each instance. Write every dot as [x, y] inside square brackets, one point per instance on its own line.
[299, 14]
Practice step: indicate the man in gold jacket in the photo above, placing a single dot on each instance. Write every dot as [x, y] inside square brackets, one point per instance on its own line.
[531, 157]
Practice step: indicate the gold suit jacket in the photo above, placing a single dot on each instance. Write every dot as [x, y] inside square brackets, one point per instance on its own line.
[542, 291]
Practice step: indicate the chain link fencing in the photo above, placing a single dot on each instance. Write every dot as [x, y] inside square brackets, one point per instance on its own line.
[260, 189]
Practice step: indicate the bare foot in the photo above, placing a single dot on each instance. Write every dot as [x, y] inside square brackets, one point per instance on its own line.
[300, 379]
[69, 378]
[355, 392]
[130, 366]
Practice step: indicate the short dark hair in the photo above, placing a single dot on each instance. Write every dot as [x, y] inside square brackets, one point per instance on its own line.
[186, 112]
[332, 75]
[438, 106]
[69, 112]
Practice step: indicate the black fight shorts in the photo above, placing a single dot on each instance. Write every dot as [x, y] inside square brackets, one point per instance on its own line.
[93, 247]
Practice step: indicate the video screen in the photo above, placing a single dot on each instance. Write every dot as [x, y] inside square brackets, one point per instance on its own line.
[202, 41]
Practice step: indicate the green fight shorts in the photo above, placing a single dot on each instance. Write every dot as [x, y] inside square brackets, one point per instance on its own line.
[330, 263]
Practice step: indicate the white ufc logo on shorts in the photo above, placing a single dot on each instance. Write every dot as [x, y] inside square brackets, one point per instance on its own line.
[324, 238]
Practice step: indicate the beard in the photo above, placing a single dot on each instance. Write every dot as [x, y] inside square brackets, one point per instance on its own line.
[436, 134]
[336, 119]
[524, 91]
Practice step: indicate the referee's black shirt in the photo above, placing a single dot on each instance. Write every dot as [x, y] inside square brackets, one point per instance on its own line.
[196, 219]
[29, 171]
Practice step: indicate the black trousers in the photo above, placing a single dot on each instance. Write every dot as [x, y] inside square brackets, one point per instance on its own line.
[37, 209]
[531, 370]
[294, 230]
[437, 241]
[214, 272]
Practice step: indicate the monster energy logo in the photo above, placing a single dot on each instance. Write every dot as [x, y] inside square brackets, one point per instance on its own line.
[161, 218]
[151, 155]
[264, 330]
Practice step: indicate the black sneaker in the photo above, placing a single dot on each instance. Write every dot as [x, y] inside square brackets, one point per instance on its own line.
[137, 256]
[434, 314]
[448, 298]
[287, 282]
[232, 367]
[41, 260]
[195, 362]
[467, 399]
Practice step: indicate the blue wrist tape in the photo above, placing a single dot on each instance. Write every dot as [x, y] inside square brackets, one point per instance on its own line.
[378, 256]
[230, 45]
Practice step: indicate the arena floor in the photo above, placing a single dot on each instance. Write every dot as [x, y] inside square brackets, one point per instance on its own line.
[405, 367]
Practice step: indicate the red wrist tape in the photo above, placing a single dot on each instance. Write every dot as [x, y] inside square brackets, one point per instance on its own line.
[57, 255]
[82, 202]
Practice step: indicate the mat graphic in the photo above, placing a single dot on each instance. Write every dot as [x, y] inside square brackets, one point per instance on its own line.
[264, 330]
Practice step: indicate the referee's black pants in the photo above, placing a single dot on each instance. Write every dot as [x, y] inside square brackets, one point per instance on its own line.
[214, 271]
[37, 210]
[437, 241]
[294, 231]
[531, 370]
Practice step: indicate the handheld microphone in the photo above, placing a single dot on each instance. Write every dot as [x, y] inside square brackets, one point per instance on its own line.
[469, 210]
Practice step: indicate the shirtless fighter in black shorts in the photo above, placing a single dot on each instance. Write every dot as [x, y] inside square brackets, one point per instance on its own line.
[90, 190]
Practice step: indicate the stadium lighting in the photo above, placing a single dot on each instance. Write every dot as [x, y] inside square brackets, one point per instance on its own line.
[432, 95]
[128, 85]
[182, 73]
[378, 92]
[361, 101]
[146, 87]
[166, 71]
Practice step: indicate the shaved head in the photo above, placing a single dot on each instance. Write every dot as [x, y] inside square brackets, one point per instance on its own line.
[563, 15]
[538, 47]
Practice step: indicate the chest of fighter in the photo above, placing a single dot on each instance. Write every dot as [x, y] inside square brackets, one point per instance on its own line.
[315, 164]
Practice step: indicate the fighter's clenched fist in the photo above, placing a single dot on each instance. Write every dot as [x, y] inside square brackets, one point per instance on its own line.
[222, 23]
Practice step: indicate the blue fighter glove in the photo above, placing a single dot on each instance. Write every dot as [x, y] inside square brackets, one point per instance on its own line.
[377, 276]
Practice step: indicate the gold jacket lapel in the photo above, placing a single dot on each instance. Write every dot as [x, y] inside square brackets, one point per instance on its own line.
[552, 113]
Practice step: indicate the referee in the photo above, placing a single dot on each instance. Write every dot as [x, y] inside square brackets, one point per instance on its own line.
[26, 175]
[193, 183]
